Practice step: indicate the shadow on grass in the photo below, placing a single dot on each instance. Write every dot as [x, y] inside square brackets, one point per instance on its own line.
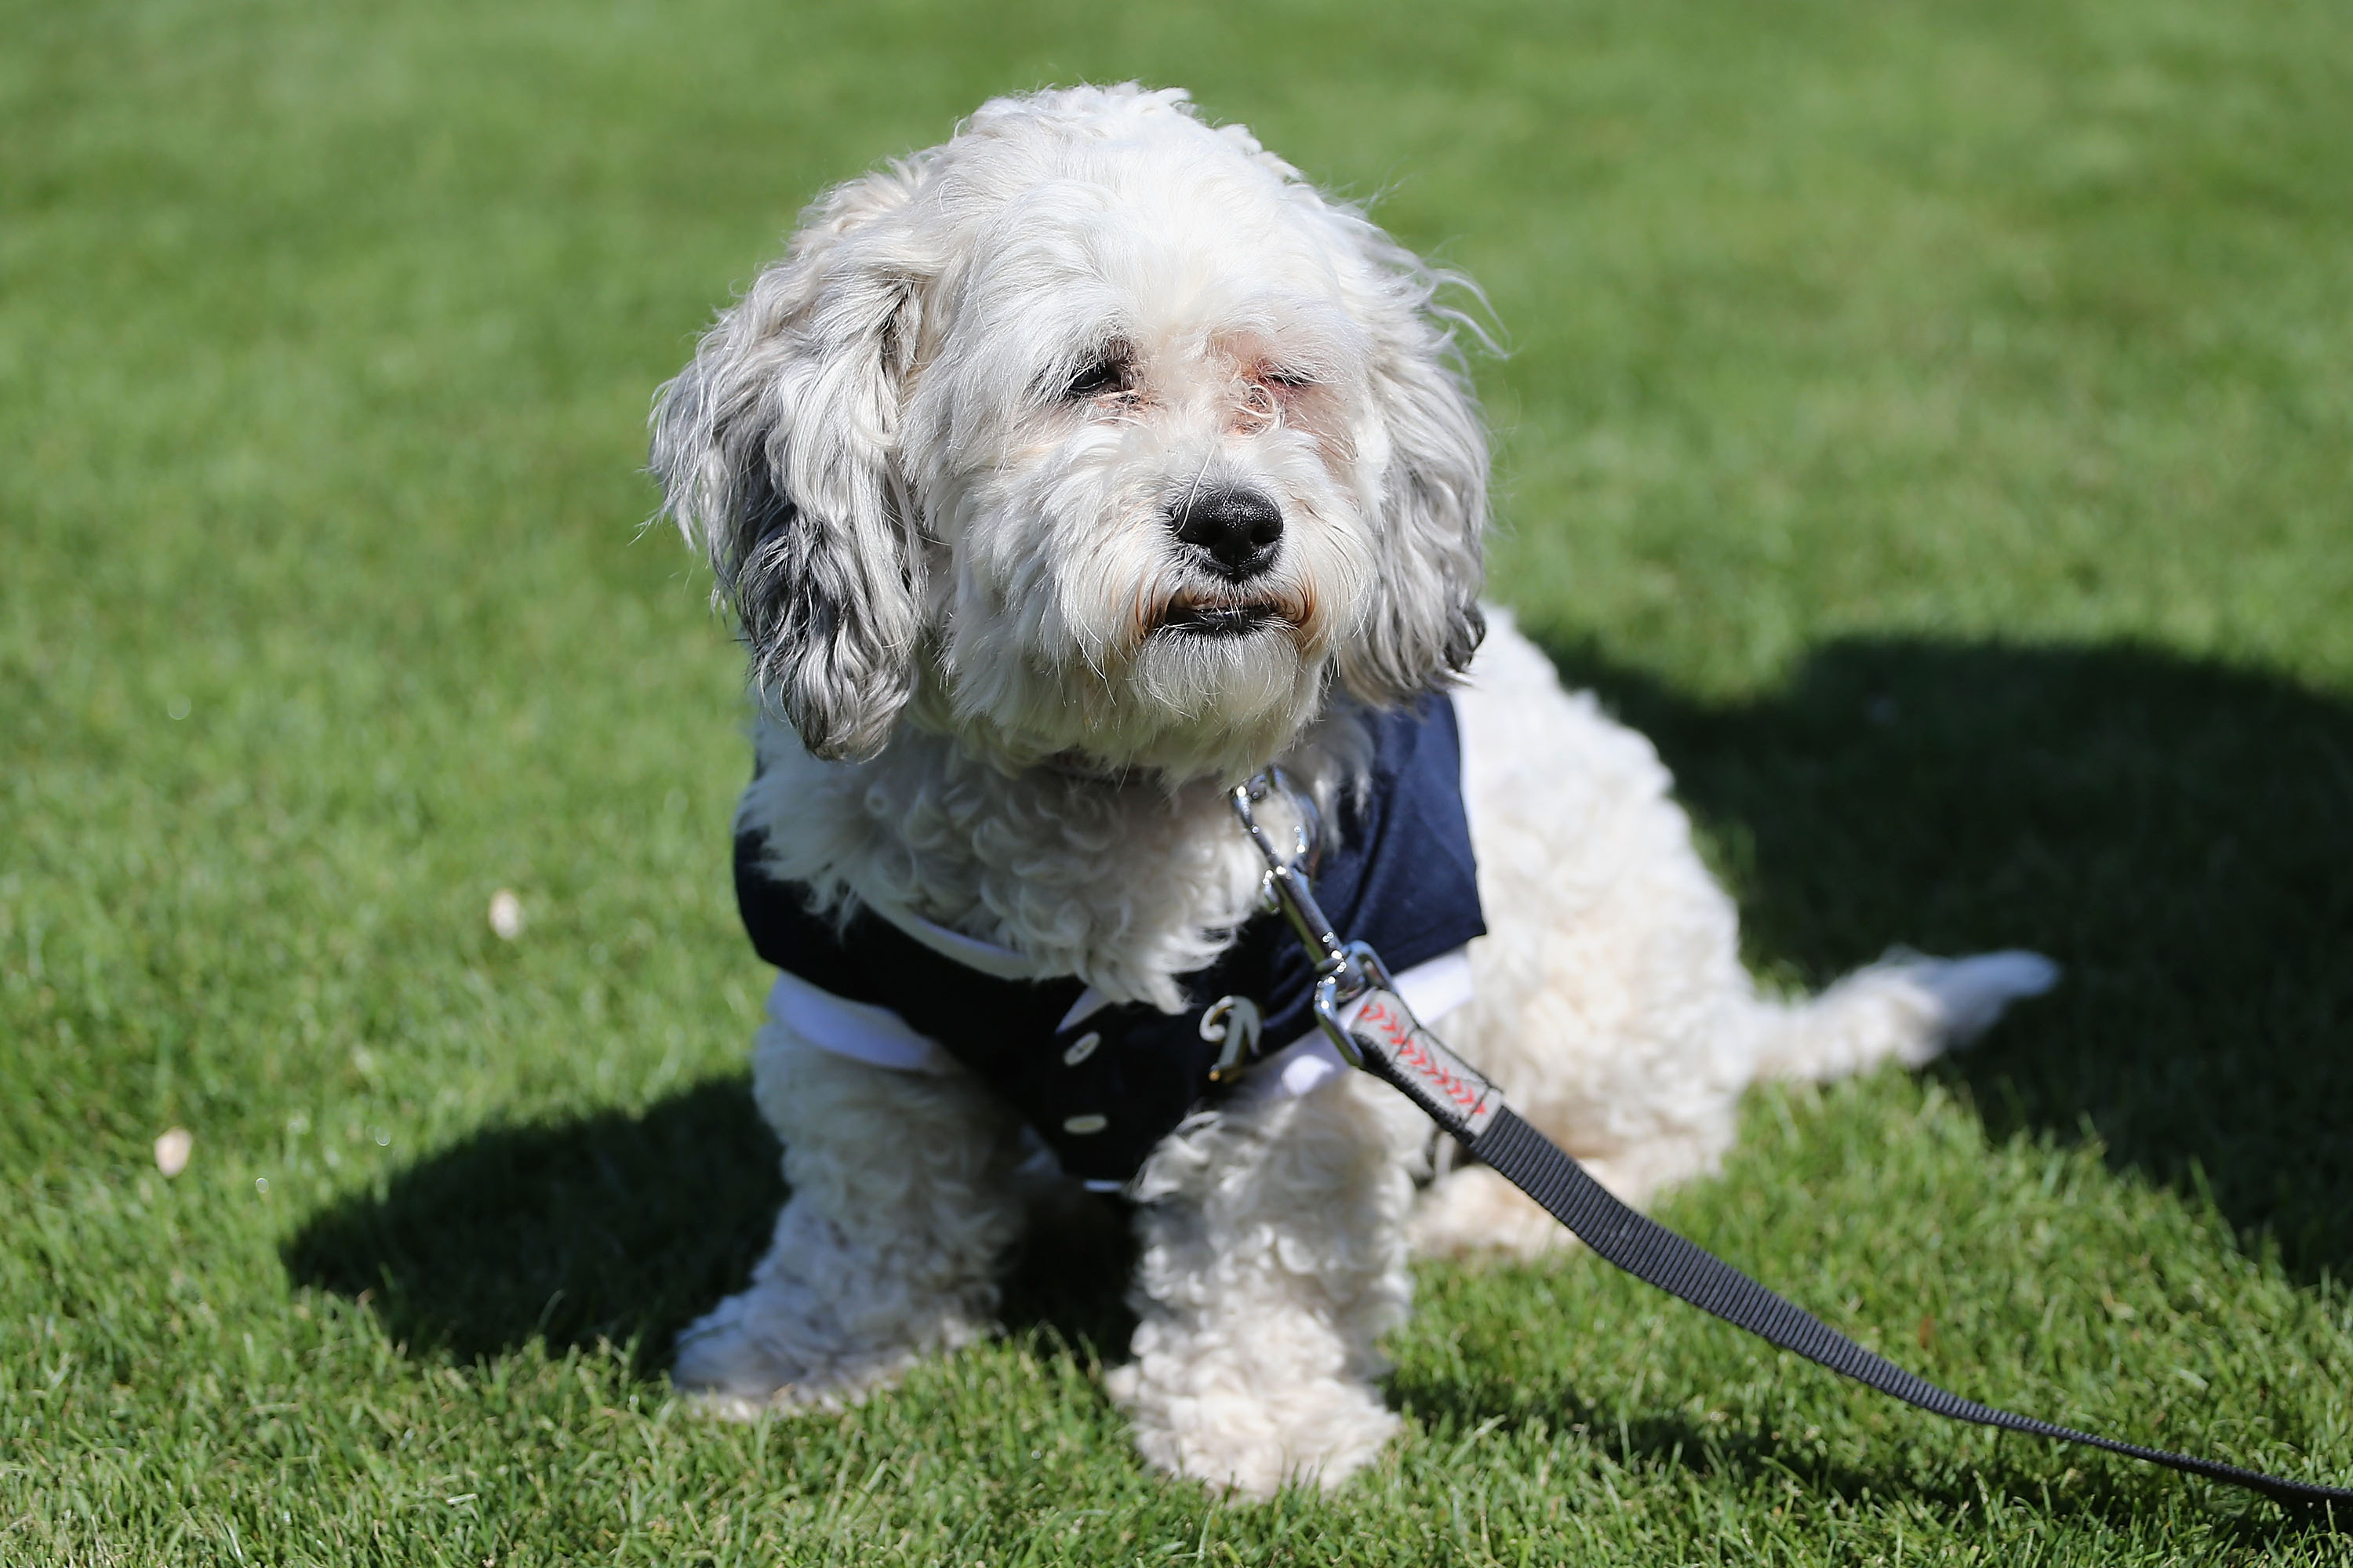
[625, 1228]
[607, 1226]
[2178, 833]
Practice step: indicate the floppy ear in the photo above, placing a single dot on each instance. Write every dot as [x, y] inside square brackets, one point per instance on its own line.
[1423, 624]
[775, 453]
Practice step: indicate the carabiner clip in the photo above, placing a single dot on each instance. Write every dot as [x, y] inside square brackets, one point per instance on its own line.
[1286, 880]
[1344, 971]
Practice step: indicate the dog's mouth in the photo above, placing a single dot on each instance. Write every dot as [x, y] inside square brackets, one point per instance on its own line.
[1219, 619]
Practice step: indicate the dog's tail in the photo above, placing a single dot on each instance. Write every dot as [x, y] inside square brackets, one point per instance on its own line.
[1905, 1006]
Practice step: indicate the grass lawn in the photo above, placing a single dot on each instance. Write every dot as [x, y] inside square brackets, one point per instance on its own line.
[1931, 423]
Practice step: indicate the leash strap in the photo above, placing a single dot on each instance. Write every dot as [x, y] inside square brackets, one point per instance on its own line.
[1398, 1049]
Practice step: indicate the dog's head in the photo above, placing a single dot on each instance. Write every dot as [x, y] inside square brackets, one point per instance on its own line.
[1095, 432]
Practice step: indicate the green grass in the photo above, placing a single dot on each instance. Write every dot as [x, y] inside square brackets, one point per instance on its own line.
[1931, 423]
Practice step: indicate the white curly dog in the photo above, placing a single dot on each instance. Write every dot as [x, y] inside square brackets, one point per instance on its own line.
[1058, 477]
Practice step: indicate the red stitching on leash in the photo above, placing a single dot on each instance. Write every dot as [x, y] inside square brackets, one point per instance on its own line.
[1411, 1053]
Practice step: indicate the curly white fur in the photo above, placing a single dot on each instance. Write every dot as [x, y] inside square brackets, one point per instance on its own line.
[947, 458]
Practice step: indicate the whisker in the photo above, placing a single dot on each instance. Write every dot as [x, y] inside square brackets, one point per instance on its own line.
[1185, 512]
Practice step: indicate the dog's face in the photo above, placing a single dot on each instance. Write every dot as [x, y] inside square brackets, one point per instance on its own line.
[1094, 433]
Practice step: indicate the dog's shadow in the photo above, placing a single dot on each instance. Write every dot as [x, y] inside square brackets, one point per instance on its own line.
[603, 1227]
[621, 1229]
[2178, 833]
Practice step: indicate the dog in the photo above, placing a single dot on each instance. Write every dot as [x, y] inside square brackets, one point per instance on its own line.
[1058, 477]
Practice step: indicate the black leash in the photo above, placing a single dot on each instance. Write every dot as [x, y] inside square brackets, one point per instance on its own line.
[1383, 1037]
[1656, 1256]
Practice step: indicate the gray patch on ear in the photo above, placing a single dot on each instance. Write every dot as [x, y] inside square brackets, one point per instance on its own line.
[775, 452]
[1466, 630]
[800, 596]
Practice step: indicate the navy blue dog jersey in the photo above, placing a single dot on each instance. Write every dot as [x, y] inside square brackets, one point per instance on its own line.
[1104, 1090]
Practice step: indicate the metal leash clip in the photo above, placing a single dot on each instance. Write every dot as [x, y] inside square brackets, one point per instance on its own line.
[1344, 971]
[1386, 1040]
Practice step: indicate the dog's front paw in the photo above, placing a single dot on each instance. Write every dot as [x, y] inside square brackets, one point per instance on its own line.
[1245, 1434]
[764, 1352]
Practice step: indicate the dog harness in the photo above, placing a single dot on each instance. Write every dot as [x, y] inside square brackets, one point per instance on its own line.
[1100, 1082]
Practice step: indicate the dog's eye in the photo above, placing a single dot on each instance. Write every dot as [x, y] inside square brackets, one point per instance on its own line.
[1289, 380]
[1102, 375]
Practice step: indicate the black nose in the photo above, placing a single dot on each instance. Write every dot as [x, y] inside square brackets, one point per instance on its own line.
[1238, 528]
